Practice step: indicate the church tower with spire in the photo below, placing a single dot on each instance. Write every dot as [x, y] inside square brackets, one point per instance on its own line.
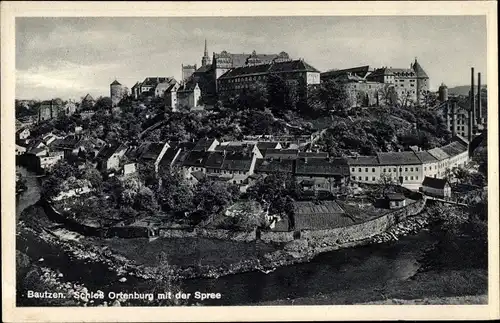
[205, 60]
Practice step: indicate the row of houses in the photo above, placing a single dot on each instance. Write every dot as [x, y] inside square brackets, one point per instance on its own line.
[242, 162]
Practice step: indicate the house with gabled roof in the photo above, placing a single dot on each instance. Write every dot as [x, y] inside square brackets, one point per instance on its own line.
[438, 187]
[109, 157]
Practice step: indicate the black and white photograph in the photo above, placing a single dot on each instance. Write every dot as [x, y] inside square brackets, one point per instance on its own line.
[249, 160]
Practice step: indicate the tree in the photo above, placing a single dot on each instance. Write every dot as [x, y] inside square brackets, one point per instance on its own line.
[273, 190]
[51, 186]
[103, 103]
[211, 197]
[388, 94]
[386, 183]
[175, 194]
[93, 176]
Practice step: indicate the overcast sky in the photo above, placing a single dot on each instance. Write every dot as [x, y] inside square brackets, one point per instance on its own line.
[69, 57]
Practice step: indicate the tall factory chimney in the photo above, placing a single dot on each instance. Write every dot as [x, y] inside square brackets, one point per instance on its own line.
[470, 126]
[472, 97]
[454, 119]
[447, 114]
[479, 107]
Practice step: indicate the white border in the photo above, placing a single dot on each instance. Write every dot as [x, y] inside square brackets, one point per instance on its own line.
[9, 10]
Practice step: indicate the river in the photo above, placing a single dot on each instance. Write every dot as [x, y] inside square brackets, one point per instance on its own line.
[345, 271]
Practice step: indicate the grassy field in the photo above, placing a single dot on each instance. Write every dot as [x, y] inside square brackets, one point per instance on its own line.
[187, 251]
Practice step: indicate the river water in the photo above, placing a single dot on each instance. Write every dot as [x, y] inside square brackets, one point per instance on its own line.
[345, 271]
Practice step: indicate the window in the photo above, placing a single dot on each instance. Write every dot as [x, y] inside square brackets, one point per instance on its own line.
[406, 169]
[400, 169]
[425, 168]
[411, 169]
[384, 170]
[359, 177]
[366, 178]
[411, 177]
[416, 169]
[406, 178]
[373, 170]
[366, 169]
[354, 178]
[359, 170]
[373, 178]
[353, 169]
[416, 178]
[389, 170]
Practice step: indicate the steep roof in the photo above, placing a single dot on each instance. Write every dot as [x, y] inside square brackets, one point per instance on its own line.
[196, 159]
[153, 150]
[267, 144]
[88, 97]
[454, 148]
[214, 160]
[277, 67]
[425, 157]
[362, 160]
[154, 80]
[288, 66]
[419, 70]
[312, 154]
[438, 183]
[237, 161]
[115, 82]
[319, 166]
[438, 153]
[203, 144]
[396, 197]
[398, 158]
[274, 166]
[280, 153]
[361, 71]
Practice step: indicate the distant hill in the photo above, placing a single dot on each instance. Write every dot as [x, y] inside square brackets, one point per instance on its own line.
[461, 89]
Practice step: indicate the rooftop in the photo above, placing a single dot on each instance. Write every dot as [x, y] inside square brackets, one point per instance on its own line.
[437, 183]
[398, 158]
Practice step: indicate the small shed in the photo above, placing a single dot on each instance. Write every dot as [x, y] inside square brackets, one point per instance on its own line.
[396, 200]
[438, 187]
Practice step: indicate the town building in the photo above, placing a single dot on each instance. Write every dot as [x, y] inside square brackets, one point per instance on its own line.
[212, 69]
[87, 103]
[298, 73]
[188, 96]
[396, 200]
[437, 187]
[108, 159]
[52, 109]
[22, 134]
[152, 87]
[391, 85]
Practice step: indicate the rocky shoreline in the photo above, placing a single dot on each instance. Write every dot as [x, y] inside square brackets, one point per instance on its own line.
[297, 251]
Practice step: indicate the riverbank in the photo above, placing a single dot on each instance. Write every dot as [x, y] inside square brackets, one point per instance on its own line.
[203, 257]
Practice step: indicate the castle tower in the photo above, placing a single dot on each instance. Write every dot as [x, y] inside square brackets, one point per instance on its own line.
[422, 81]
[205, 60]
[116, 92]
[443, 93]
[187, 71]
